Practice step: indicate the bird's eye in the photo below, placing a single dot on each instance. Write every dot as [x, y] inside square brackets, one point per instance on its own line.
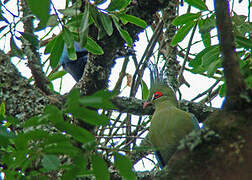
[157, 95]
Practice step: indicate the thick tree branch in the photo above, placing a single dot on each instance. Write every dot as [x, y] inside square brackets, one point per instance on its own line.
[135, 106]
[34, 61]
[21, 99]
[234, 81]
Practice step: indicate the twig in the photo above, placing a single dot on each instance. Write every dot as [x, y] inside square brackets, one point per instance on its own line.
[145, 58]
[187, 53]
[207, 91]
[119, 137]
[122, 74]
[128, 131]
[56, 13]
[113, 127]
[211, 96]
[126, 142]
[138, 127]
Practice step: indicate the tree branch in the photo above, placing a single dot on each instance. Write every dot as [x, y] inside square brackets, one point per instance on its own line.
[34, 61]
[135, 106]
[234, 81]
[21, 99]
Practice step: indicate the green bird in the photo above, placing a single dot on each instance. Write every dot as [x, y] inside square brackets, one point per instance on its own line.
[169, 124]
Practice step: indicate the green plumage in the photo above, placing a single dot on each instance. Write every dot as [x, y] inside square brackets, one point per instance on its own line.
[169, 124]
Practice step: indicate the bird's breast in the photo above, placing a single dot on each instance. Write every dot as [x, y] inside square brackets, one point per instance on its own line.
[169, 126]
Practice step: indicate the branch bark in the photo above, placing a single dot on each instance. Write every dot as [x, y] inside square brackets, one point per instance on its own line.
[34, 61]
[234, 80]
[135, 106]
[21, 99]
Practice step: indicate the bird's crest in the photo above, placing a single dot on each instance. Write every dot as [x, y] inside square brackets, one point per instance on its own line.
[159, 82]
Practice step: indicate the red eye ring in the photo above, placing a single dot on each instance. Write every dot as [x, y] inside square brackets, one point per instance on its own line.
[157, 95]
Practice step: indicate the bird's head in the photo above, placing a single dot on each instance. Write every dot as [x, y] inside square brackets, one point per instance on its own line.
[160, 90]
[162, 94]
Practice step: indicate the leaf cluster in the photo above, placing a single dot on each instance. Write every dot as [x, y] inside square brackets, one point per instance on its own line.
[51, 145]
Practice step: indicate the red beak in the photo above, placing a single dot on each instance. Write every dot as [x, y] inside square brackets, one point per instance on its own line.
[146, 103]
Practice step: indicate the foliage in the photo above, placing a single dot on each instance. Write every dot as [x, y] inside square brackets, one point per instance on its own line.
[75, 26]
[208, 62]
[55, 144]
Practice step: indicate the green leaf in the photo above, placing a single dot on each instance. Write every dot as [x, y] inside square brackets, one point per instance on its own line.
[100, 100]
[52, 21]
[50, 162]
[78, 133]
[58, 139]
[61, 149]
[54, 114]
[21, 141]
[75, 22]
[4, 132]
[35, 135]
[212, 67]
[243, 42]
[15, 49]
[80, 161]
[145, 90]
[56, 75]
[71, 11]
[222, 92]
[41, 10]
[248, 81]
[20, 158]
[56, 48]
[210, 56]
[118, 5]
[55, 117]
[206, 38]
[76, 169]
[33, 121]
[84, 26]
[69, 41]
[206, 25]
[89, 116]
[12, 120]
[100, 168]
[107, 23]
[124, 165]
[93, 47]
[199, 4]
[93, 13]
[5, 135]
[2, 109]
[185, 18]
[124, 34]
[49, 45]
[182, 32]
[197, 61]
[133, 19]
[101, 33]
[91, 101]
[72, 99]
